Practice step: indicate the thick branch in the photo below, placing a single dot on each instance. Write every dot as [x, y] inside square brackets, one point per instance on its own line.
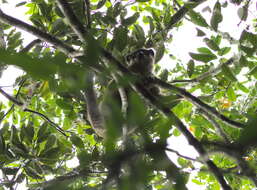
[218, 128]
[72, 18]
[183, 129]
[88, 13]
[30, 45]
[197, 102]
[36, 32]
[181, 13]
[212, 72]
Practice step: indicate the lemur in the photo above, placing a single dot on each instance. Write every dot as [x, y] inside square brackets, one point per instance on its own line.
[139, 62]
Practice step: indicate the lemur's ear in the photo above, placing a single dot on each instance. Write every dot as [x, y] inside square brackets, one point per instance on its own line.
[128, 58]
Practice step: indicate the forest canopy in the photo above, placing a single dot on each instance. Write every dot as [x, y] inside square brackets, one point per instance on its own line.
[83, 48]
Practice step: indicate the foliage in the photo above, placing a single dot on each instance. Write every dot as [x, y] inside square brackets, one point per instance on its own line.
[44, 125]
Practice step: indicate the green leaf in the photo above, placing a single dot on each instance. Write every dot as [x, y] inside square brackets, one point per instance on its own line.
[204, 50]
[183, 162]
[77, 141]
[197, 18]
[142, 1]
[84, 158]
[176, 132]
[242, 13]
[20, 4]
[190, 67]
[10, 171]
[203, 57]
[160, 50]
[42, 133]
[224, 51]
[63, 104]
[242, 87]
[248, 135]
[211, 44]
[155, 15]
[200, 33]
[29, 131]
[120, 37]
[2, 143]
[100, 4]
[228, 73]
[139, 32]
[117, 10]
[32, 173]
[137, 115]
[151, 24]
[51, 142]
[231, 94]
[14, 138]
[248, 37]
[58, 27]
[253, 71]
[217, 39]
[52, 153]
[130, 20]
[216, 16]
[249, 51]
[164, 75]
[38, 68]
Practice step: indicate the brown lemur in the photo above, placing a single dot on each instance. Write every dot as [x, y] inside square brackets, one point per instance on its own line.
[139, 62]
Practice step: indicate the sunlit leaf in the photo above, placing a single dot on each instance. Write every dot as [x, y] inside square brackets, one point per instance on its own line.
[203, 57]
[190, 67]
[216, 16]
[130, 20]
[76, 140]
[197, 18]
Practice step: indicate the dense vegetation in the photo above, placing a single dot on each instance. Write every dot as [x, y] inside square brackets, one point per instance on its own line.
[44, 123]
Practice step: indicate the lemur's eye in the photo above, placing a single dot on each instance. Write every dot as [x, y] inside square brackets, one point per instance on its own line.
[151, 52]
[141, 53]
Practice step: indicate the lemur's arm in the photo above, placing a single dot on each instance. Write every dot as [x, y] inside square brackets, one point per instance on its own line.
[93, 113]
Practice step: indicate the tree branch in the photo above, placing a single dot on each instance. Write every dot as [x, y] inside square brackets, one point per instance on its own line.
[218, 128]
[16, 96]
[74, 22]
[21, 104]
[30, 45]
[12, 99]
[36, 32]
[87, 4]
[181, 13]
[182, 156]
[183, 129]
[213, 71]
[197, 102]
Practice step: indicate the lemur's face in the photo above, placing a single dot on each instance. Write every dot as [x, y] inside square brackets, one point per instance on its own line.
[141, 56]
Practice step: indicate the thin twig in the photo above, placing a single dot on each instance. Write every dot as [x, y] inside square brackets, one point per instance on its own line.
[30, 45]
[182, 156]
[76, 25]
[87, 2]
[47, 119]
[18, 103]
[16, 96]
[12, 99]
